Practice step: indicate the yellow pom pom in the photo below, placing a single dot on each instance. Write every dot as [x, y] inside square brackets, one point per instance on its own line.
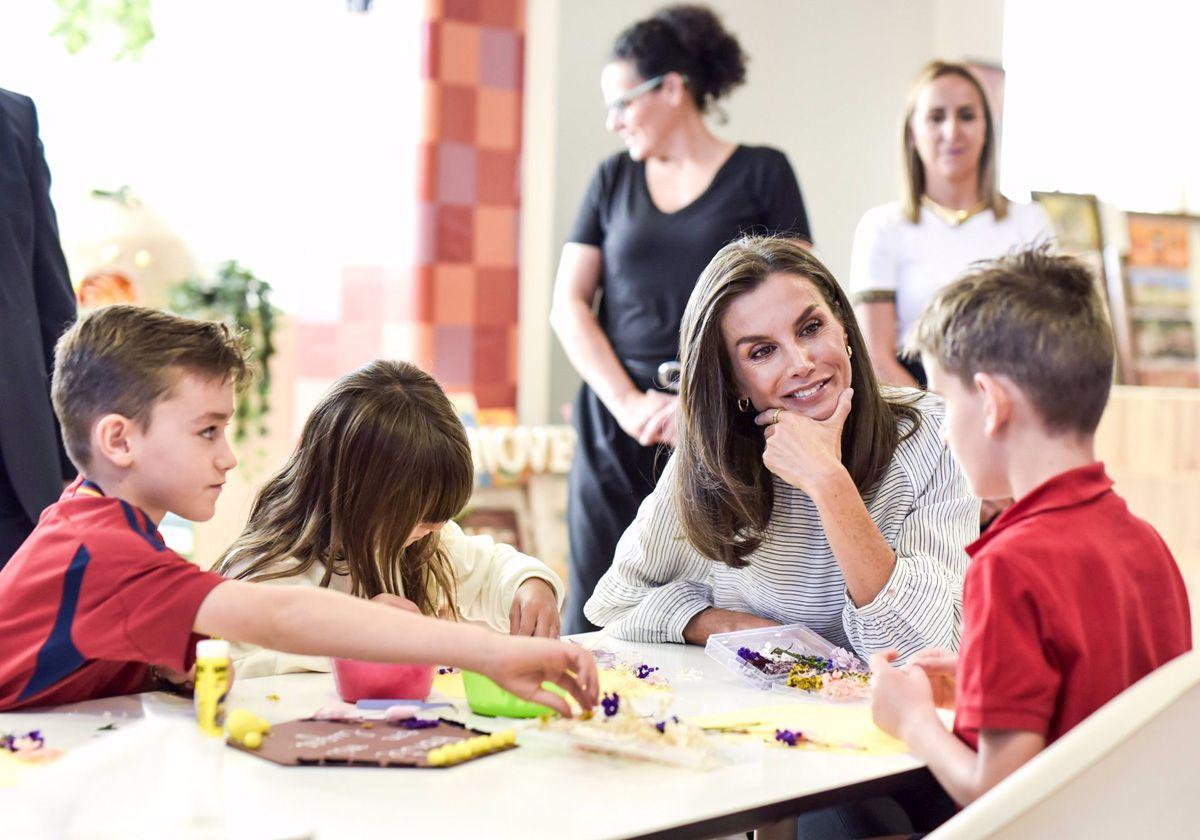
[509, 736]
[239, 722]
[252, 740]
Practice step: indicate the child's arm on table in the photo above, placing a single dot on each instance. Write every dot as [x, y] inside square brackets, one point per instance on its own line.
[319, 622]
[902, 704]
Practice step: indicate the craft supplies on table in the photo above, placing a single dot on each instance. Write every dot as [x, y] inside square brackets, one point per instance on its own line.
[791, 659]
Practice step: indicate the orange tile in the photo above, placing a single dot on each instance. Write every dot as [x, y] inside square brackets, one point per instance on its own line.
[453, 233]
[491, 354]
[458, 53]
[496, 237]
[456, 120]
[496, 296]
[502, 14]
[497, 177]
[494, 394]
[453, 294]
[464, 10]
[498, 119]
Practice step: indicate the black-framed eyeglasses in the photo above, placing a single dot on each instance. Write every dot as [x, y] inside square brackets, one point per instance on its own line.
[623, 101]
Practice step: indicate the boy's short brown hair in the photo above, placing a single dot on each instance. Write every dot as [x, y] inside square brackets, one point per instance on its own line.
[123, 359]
[1035, 317]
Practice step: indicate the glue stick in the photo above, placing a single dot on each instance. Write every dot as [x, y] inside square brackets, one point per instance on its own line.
[212, 684]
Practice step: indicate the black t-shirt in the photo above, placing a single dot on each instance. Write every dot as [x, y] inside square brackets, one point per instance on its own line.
[652, 260]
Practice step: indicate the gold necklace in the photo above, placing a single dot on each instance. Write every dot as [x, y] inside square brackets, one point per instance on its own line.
[950, 216]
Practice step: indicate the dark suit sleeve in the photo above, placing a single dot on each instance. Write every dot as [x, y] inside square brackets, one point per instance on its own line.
[51, 282]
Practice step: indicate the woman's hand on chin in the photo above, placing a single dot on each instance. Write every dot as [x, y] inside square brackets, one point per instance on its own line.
[801, 450]
[716, 620]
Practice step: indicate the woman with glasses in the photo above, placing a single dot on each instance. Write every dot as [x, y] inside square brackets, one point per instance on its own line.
[950, 214]
[650, 222]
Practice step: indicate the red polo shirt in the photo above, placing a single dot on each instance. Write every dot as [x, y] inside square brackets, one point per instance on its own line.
[1069, 600]
[90, 600]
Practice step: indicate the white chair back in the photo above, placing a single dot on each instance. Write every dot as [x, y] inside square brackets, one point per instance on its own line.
[1132, 769]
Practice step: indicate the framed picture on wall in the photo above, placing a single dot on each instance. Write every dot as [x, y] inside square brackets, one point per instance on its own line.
[1159, 276]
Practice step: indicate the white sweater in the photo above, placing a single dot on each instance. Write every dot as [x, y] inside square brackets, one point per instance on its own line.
[487, 575]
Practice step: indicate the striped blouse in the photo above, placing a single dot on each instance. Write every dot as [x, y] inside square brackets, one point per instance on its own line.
[923, 507]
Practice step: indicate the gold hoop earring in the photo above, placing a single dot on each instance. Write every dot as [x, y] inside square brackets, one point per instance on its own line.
[849, 351]
[743, 404]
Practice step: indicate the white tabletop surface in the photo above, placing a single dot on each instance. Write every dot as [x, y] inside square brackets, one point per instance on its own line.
[539, 790]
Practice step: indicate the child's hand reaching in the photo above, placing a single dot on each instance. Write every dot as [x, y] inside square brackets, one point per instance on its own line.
[900, 697]
[534, 610]
[522, 665]
[941, 666]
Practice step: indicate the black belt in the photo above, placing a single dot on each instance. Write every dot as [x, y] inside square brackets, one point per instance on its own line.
[665, 375]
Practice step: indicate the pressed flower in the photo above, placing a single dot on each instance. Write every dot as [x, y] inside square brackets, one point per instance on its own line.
[611, 703]
[418, 723]
[787, 736]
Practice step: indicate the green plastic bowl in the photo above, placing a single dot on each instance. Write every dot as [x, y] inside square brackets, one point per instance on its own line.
[488, 699]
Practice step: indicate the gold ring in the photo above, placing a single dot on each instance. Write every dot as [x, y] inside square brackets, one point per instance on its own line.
[775, 417]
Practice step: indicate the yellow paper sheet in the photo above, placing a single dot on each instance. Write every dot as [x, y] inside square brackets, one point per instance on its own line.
[835, 728]
[12, 769]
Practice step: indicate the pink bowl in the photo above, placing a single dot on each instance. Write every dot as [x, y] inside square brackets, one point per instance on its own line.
[357, 680]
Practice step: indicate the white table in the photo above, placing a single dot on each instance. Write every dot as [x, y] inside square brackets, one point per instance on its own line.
[535, 791]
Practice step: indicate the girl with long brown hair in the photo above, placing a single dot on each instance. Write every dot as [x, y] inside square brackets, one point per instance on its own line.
[365, 506]
[800, 491]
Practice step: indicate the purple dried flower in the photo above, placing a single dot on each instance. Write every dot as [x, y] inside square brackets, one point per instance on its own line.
[418, 723]
[644, 671]
[610, 702]
[787, 736]
[844, 660]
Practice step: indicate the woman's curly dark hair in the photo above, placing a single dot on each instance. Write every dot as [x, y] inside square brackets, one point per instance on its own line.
[688, 40]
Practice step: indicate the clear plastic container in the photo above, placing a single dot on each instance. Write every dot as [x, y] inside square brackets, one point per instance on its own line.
[724, 647]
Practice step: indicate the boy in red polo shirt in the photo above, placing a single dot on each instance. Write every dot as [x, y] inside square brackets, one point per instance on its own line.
[94, 603]
[1069, 598]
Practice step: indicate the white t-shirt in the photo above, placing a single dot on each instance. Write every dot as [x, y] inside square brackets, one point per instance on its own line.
[891, 254]
[486, 573]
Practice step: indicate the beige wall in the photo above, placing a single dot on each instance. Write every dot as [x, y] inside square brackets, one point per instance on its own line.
[826, 83]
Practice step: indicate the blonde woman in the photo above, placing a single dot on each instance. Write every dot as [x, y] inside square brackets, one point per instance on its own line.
[950, 214]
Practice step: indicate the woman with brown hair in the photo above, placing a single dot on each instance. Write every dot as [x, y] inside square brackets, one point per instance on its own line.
[800, 491]
[365, 505]
[950, 214]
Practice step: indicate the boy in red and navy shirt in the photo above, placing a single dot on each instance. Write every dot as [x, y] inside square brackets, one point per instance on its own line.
[93, 603]
[1069, 598]
[100, 596]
